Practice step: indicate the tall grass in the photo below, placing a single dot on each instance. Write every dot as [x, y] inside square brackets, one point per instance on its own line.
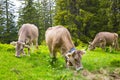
[38, 67]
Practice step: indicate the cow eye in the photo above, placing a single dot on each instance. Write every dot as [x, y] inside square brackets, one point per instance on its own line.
[75, 59]
[93, 47]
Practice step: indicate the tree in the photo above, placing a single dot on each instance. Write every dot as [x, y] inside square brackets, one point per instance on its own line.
[114, 16]
[28, 14]
[8, 28]
[45, 14]
[85, 18]
[2, 20]
[76, 17]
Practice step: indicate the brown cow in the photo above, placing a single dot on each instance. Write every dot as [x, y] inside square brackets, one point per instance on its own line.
[58, 38]
[28, 35]
[103, 39]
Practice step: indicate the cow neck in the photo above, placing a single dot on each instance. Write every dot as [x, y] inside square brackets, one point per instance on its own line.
[69, 45]
[21, 37]
[94, 42]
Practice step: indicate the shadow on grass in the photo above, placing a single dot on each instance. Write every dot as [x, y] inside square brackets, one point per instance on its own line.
[115, 63]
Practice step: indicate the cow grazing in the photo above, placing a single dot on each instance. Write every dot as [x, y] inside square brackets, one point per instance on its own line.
[58, 38]
[28, 35]
[103, 39]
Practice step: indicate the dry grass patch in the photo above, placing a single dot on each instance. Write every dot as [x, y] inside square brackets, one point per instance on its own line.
[102, 74]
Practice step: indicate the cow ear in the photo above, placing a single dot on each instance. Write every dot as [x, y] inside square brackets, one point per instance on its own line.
[81, 52]
[13, 43]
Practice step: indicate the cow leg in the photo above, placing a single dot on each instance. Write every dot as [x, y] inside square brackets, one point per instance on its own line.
[28, 51]
[53, 54]
[36, 41]
[17, 55]
[50, 49]
[23, 52]
[116, 45]
[111, 48]
[31, 43]
[103, 47]
[103, 44]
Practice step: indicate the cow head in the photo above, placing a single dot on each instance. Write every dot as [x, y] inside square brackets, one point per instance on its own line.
[73, 59]
[91, 46]
[99, 42]
[19, 48]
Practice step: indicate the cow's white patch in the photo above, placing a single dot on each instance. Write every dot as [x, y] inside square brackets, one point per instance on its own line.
[79, 68]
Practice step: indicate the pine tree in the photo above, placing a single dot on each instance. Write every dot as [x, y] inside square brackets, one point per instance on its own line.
[8, 28]
[114, 16]
[85, 18]
[28, 14]
[73, 15]
[2, 20]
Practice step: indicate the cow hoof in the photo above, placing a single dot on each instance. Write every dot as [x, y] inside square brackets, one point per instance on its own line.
[77, 69]
[18, 56]
[24, 54]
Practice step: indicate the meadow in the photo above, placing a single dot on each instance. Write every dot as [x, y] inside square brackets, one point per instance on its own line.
[98, 65]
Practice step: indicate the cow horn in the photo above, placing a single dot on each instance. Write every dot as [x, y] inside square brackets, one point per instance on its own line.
[27, 46]
[89, 42]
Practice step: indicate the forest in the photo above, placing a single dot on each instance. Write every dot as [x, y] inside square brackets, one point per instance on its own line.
[83, 18]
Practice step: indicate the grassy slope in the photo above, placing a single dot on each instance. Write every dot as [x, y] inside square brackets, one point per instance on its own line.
[38, 67]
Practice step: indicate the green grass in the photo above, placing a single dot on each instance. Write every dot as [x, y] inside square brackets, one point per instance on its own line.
[38, 67]
[97, 59]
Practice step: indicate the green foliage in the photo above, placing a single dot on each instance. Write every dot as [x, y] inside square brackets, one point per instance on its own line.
[8, 31]
[99, 59]
[84, 19]
[28, 14]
